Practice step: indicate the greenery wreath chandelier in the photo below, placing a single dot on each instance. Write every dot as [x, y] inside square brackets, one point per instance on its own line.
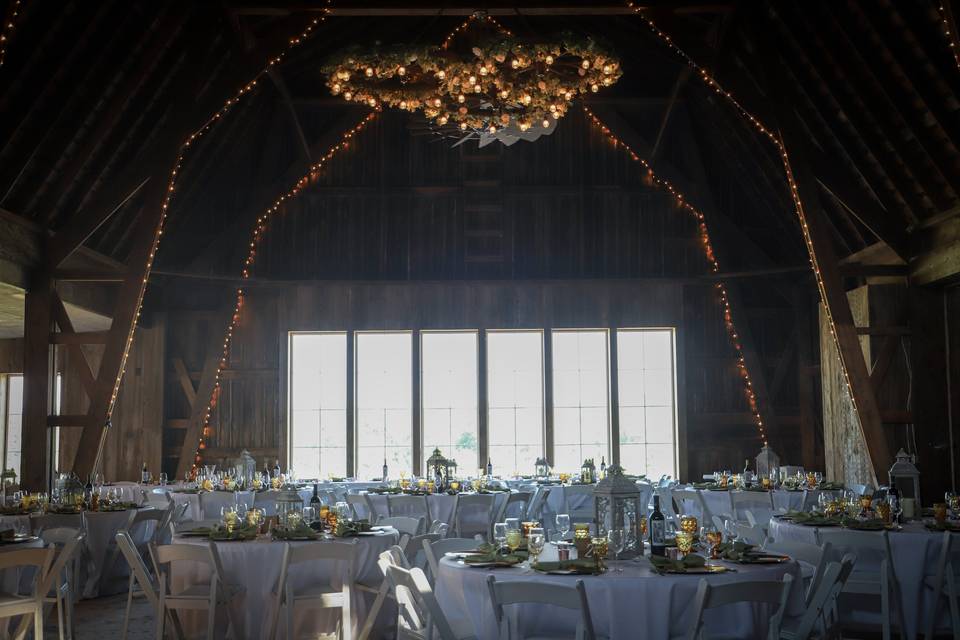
[485, 80]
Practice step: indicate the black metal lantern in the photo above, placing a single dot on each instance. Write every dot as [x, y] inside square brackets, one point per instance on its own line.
[542, 468]
[443, 470]
[588, 471]
[616, 505]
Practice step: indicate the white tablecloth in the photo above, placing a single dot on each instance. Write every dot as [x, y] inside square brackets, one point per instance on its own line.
[719, 502]
[256, 565]
[915, 553]
[440, 505]
[636, 603]
[206, 505]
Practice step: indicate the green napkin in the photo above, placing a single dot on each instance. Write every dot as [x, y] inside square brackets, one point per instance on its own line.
[240, 534]
[663, 564]
[580, 566]
[300, 532]
[873, 524]
[946, 526]
[507, 560]
[816, 519]
[348, 528]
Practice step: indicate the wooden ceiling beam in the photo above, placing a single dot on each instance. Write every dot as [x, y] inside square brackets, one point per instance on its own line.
[386, 8]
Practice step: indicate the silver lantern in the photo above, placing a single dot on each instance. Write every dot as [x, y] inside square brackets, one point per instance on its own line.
[907, 477]
[616, 503]
[289, 507]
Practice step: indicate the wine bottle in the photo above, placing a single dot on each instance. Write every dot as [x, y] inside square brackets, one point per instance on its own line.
[658, 533]
[385, 471]
[88, 494]
[315, 498]
[144, 474]
[603, 467]
[746, 473]
[489, 467]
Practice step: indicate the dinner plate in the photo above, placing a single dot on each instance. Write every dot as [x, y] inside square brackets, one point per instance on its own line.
[461, 554]
[705, 569]
[369, 533]
[19, 538]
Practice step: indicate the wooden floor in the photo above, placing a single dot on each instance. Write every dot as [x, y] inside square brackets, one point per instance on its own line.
[102, 619]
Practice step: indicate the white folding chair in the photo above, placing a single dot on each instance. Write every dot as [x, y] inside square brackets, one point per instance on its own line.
[578, 502]
[473, 515]
[319, 596]
[813, 559]
[140, 582]
[437, 549]
[713, 596]
[536, 510]
[873, 577]
[413, 548]
[515, 506]
[14, 604]
[419, 615]
[362, 507]
[266, 501]
[200, 597]
[817, 620]
[410, 506]
[751, 505]
[67, 543]
[516, 592]
[945, 584]
[403, 524]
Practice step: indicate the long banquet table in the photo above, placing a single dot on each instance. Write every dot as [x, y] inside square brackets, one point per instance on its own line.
[256, 564]
[720, 504]
[636, 602]
[915, 552]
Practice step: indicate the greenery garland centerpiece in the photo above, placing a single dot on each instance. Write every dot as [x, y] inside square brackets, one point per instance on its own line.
[493, 81]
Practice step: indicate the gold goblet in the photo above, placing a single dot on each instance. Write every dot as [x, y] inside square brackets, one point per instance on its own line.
[688, 524]
[685, 541]
[940, 512]
[599, 549]
[714, 538]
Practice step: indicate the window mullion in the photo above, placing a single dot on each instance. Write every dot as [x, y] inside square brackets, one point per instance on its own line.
[548, 395]
[483, 452]
[351, 405]
[416, 421]
[614, 377]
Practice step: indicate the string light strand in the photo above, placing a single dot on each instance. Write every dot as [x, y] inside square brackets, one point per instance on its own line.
[218, 115]
[6, 29]
[950, 29]
[259, 230]
[766, 132]
[705, 243]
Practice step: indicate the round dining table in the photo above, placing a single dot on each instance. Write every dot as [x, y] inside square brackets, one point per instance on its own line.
[915, 551]
[255, 565]
[630, 600]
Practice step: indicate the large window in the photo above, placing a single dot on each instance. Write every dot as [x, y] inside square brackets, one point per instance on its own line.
[515, 399]
[12, 421]
[448, 365]
[476, 396]
[384, 403]
[318, 404]
[647, 399]
[581, 398]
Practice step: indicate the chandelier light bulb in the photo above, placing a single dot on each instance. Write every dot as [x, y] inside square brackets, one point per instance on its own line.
[461, 98]
[369, 72]
[585, 64]
[402, 71]
[441, 75]
[515, 63]
[546, 123]
[548, 59]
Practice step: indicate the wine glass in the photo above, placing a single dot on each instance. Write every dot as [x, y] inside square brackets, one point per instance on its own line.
[818, 478]
[163, 479]
[953, 502]
[309, 515]
[616, 538]
[500, 534]
[514, 537]
[563, 525]
[535, 542]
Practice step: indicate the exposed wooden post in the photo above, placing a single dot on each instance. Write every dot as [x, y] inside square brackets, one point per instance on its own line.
[805, 395]
[37, 396]
[208, 381]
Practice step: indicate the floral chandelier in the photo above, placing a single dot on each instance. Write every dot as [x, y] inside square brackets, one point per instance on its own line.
[486, 81]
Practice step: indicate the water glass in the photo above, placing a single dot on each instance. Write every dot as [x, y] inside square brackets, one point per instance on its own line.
[500, 534]
[563, 524]
[616, 538]
[309, 515]
[535, 542]
[163, 479]
[514, 537]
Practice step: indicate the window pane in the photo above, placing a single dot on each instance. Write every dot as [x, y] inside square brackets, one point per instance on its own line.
[580, 398]
[448, 369]
[384, 403]
[318, 402]
[515, 399]
[14, 423]
[645, 368]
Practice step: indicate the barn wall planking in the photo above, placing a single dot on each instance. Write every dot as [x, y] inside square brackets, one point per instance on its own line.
[250, 412]
[137, 423]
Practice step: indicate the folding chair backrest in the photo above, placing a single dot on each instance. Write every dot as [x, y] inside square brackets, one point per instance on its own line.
[578, 500]
[434, 551]
[137, 566]
[403, 524]
[766, 592]
[873, 554]
[474, 514]
[505, 593]
[535, 510]
[343, 554]
[413, 548]
[39, 559]
[811, 554]
[759, 503]
[515, 506]
[419, 608]
[362, 507]
[751, 534]
[167, 554]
